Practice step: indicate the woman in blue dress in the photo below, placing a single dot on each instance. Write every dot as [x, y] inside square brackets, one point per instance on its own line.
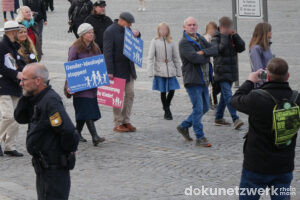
[164, 64]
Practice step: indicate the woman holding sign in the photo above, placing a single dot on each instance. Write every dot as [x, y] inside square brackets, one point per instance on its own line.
[85, 102]
[164, 64]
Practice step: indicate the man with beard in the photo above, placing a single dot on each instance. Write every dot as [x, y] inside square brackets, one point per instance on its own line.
[99, 21]
[10, 91]
[51, 136]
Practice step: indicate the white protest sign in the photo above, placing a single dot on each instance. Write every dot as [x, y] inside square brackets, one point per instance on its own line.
[249, 9]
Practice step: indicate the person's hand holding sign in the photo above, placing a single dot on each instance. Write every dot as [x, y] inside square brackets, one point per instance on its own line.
[111, 76]
[136, 33]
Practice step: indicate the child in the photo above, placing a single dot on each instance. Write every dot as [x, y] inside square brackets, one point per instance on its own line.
[164, 64]
[229, 43]
[211, 28]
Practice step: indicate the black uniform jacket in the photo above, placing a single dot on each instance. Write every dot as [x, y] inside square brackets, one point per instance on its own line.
[50, 130]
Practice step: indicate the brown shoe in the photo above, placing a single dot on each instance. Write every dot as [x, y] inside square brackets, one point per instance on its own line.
[130, 127]
[121, 129]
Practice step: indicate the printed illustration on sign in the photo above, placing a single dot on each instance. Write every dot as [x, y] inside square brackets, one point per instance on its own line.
[112, 95]
[86, 73]
[133, 48]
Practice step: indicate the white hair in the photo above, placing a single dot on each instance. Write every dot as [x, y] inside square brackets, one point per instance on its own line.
[20, 16]
[185, 21]
[40, 71]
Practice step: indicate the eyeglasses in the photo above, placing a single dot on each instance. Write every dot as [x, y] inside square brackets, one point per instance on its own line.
[27, 79]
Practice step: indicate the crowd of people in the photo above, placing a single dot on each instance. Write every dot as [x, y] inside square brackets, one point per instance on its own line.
[208, 65]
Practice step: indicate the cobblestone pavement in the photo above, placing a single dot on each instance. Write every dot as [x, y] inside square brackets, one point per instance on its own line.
[155, 162]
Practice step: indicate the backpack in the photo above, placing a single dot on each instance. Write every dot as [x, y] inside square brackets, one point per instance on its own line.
[286, 118]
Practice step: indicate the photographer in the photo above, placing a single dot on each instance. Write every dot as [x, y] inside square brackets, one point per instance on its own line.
[269, 148]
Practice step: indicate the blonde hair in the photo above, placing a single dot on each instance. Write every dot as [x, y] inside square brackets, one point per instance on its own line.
[27, 46]
[260, 36]
[211, 24]
[164, 24]
[20, 11]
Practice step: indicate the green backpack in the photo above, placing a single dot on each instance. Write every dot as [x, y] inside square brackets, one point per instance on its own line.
[286, 118]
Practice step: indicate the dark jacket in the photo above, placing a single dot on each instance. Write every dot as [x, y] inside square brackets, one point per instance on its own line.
[191, 61]
[37, 6]
[79, 10]
[100, 24]
[225, 63]
[260, 153]
[50, 131]
[9, 84]
[116, 62]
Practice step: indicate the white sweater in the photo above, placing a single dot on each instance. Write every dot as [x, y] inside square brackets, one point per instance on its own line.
[156, 64]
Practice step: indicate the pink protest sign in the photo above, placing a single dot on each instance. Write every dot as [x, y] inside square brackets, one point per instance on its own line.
[112, 95]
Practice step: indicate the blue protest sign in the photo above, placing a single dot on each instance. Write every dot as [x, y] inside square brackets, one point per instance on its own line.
[87, 73]
[133, 48]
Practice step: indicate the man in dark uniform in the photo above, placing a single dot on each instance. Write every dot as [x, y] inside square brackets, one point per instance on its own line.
[51, 136]
[99, 21]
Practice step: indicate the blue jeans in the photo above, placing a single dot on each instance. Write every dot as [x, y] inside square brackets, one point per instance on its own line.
[279, 183]
[226, 95]
[200, 99]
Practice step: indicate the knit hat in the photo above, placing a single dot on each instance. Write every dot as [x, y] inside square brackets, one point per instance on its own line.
[84, 28]
[11, 26]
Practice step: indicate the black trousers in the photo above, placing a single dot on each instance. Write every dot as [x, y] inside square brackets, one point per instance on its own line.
[53, 184]
[49, 3]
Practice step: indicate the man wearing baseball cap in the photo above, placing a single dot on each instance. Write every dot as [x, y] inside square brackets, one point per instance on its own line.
[99, 21]
[118, 65]
[10, 91]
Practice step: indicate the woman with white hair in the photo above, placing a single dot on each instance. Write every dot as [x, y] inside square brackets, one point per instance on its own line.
[25, 18]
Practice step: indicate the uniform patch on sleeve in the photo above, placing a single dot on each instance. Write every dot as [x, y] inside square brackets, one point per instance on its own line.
[55, 119]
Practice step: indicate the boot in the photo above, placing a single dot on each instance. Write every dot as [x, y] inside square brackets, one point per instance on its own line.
[81, 139]
[168, 114]
[96, 139]
[1, 152]
[79, 127]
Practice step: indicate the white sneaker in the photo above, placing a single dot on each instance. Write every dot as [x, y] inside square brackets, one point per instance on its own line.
[144, 9]
[140, 9]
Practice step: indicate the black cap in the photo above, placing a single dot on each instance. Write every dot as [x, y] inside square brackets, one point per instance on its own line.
[127, 17]
[100, 3]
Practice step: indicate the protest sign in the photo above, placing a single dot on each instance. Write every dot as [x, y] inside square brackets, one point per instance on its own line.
[87, 73]
[133, 48]
[112, 95]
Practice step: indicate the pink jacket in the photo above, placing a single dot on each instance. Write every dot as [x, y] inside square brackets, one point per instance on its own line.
[8, 5]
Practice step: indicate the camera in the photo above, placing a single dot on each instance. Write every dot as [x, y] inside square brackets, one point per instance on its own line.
[263, 75]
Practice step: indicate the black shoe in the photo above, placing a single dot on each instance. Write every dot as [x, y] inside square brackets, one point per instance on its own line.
[13, 153]
[185, 133]
[168, 114]
[1, 152]
[95, 138]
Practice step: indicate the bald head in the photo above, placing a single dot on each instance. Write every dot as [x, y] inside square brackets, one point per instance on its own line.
[190, 25]
[37, 70]
[35, 78]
